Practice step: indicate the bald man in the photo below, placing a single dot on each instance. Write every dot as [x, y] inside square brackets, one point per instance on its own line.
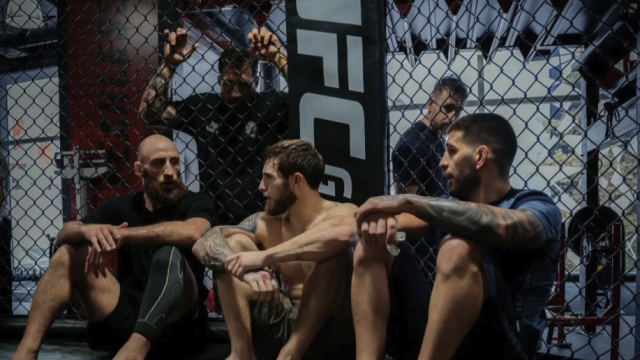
[155, 298]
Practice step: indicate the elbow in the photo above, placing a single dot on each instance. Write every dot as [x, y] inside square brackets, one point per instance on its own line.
[346, 234]
[195, 235]
[61, 239]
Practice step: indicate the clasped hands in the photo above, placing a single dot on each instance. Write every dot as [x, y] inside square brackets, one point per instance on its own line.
[104, 241]
[376, 222]
[263, 283]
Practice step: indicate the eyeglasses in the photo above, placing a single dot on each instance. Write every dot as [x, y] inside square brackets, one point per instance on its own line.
[451, 108]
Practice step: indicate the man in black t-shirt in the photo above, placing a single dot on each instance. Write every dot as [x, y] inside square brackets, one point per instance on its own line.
[232, 129]
[416, 157]
[154, 299]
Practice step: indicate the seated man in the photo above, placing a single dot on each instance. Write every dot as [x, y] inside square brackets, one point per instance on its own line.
[156, 293]
[494, 271]
[307, 241]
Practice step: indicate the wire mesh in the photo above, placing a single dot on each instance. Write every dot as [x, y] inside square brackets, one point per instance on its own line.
[563, 73]
[76, 101]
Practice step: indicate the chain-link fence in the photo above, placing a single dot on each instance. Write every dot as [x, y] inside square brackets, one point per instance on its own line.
[564, 74]
[84, 82]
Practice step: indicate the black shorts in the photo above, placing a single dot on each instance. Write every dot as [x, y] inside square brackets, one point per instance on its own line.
[184, 337]
[493, 336]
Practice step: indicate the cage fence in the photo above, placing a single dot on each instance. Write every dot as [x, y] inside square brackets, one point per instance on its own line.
[564, 74]
[74, 106]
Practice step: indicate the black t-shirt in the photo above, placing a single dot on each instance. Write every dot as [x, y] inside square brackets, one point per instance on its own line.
[230, 148]
[416, 160]
[134, 260]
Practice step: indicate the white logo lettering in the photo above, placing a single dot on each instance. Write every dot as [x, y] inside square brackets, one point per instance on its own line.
[316, 106]
[324, 45]
[335, 11]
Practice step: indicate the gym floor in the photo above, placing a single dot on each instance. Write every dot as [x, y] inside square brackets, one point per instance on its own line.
[76, 350]
[583, 346]
[582, 349]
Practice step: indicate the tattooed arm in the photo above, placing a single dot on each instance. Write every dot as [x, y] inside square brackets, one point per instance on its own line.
[154, 107]
[487, 225]
[213, 250]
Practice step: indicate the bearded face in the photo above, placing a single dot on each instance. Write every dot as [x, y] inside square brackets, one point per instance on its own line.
[165, 193]
[279, 204]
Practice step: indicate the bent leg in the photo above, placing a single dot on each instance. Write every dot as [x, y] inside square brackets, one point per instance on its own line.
[326, 294]
[169, 293]
[65, 275]
[235, 298]
[370, 300]
[458, 296]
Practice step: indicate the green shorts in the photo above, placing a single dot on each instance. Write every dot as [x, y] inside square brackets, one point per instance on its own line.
[273, 323]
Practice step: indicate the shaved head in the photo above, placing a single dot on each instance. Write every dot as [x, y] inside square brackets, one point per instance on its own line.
[159, 167]
[154, 144]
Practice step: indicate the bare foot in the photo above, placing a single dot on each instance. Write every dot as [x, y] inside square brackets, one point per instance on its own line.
[136, 348]
[287, 354]
[24, 355]
[236, 357]
[20, 356]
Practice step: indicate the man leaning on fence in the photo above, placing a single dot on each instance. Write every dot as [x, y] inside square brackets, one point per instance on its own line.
[157, 297]
[416, 157]
[232, 129]
[495, 269]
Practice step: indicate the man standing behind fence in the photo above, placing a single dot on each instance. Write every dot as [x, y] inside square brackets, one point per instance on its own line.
[416, 156]
[155, 299]
[233, 128]
[495, 270]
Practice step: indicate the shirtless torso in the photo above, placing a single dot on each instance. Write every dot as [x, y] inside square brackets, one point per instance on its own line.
[274, 230]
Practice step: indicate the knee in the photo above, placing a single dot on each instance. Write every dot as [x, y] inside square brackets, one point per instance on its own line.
[335, 264]
[241, 243]
[167, 257]
[68, 255]
[365, 256]
[458, 257]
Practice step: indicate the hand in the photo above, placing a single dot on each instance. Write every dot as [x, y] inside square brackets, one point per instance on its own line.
[264, 44]
[264, 285]
[96, 262]
[390, 205]
[378, 230]
[104, 238]
[176, 48]
[240, 263]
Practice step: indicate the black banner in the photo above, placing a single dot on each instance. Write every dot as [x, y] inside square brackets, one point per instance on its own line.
[337, 91]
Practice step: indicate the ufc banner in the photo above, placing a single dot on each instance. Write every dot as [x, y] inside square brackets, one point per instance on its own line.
[337, 91]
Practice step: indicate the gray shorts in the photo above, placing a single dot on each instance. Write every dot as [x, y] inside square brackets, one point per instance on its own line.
[273, 323]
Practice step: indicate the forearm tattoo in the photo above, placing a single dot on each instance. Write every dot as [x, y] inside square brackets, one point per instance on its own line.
[214, 244]
[486, 225]
[155, 100]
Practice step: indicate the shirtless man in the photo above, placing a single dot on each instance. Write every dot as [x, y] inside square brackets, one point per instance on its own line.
[307, 245]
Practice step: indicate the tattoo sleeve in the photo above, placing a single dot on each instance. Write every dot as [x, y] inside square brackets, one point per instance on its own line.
[154, 107]
[214, 246]
[486, 225]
